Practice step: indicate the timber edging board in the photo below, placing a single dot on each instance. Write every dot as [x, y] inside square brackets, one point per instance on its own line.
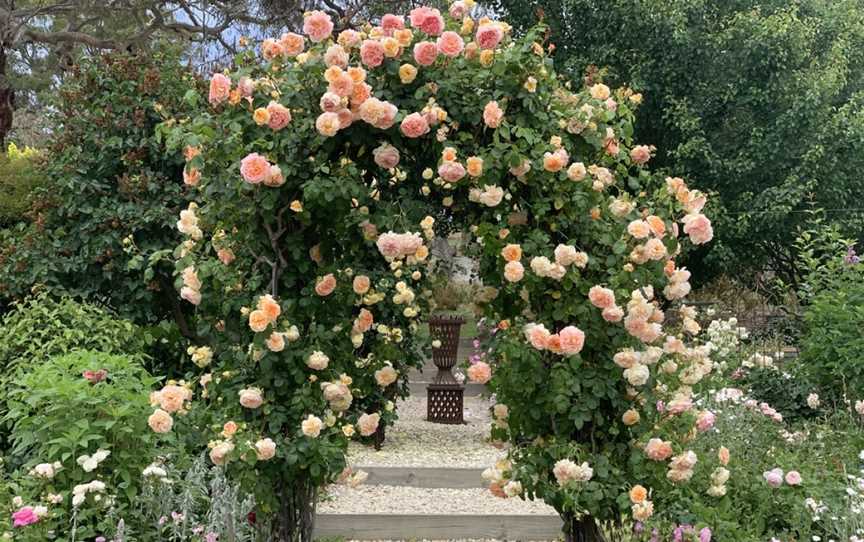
[429, 477]
[437, 526]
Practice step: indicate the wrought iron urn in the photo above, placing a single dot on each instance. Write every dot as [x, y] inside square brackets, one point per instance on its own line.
[445, 394]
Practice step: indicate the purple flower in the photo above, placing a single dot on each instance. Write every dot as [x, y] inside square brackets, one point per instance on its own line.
[655, 535]
[705, 535]
[851, 258]
[211, 537]
[99, 539]
[638, 527]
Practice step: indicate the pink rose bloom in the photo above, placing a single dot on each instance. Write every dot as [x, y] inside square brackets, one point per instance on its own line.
[705, 420]
[428, 20]
[611, 105]
[451, 171]
[280, 116]
[480, 372]
[658, 450]
[336, 56]
[24, 517]
[425, 53]
[572, 340]
[246, 86]
[613, 313]
[538, 336]
[414, 125]
[457, 9]
[220, 88]
[346, 118]
[600, 297]
[492, 114]
[330, 102]
[292, 44]
[450, 44]
[698, 227]
[372, 53]
[389, 245]
[680, 405]
[390, 23]
[640, 154]
[793, 478]
[251, 398]
[774, 477]
[254, 168]
[318, 26]
[191, 295]
[386, 156]
[326, 285]
[226, 255]
[488, 36]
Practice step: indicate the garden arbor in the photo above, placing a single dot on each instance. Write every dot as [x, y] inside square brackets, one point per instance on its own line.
[323, 167]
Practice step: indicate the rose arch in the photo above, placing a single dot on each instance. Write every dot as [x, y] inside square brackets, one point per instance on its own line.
[323, 165]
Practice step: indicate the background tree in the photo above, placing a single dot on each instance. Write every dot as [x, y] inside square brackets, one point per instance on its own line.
[761, 102]
[40, 40]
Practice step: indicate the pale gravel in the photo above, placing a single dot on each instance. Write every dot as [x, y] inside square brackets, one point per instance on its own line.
[342, 499]
[414, 442]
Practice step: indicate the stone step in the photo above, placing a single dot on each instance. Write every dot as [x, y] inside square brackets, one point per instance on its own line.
[437, 526]
[440, 477]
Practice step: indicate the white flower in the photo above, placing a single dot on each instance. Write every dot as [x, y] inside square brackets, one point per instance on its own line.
[90, 462]
[813, 401]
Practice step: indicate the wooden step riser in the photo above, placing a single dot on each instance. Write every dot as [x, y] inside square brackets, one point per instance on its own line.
[437, 527]
[428, 477]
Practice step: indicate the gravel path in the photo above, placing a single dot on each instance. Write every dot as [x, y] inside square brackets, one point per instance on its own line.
[412, 500]
[414, 442]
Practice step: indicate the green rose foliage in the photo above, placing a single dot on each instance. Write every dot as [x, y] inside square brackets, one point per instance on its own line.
[109, 195]
[561, 180]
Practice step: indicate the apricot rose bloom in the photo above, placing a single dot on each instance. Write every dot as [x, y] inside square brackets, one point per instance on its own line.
[325, 285]
[414, 125]
[258, 320]
[601, 298]
[572, 339]
[160, 421]
[514, 271]
[658, 450]
[425, 53]
[368, 423]
[361, 284]
[480, 372]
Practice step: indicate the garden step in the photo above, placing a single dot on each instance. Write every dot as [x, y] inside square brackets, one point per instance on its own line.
[437, 527]
[430, 477]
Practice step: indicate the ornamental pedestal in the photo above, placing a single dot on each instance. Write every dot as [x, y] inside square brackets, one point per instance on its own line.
[444, 403]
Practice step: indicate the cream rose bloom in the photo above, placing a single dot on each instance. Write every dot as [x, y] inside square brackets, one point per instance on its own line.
[265, 449]
[251, 397]
[317, 360]
[311, 426]
[386, 376]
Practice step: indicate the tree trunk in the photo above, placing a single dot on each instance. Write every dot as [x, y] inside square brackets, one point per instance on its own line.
[583, 529]
[295, 520]
[7, 100]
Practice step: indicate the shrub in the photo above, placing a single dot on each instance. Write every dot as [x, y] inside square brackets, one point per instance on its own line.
[43, 326]
[18, 180]
[68, 412]
[111, 195]
[832, 346]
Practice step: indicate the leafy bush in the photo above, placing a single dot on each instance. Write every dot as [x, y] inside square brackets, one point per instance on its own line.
[111, 196]
[42, 326]
[784, 389]
[19, 177]
[832, 347]
[85, 414]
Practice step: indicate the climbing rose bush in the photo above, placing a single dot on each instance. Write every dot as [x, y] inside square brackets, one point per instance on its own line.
[323, 164]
